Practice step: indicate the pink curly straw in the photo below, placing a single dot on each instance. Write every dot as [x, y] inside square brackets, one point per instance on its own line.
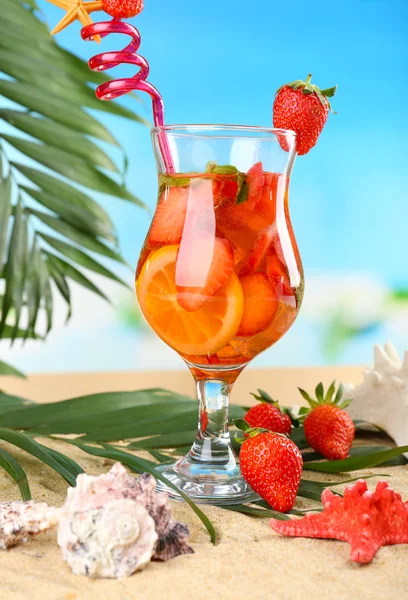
[119, 87]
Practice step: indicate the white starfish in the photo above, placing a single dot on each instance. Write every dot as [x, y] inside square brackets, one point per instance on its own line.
[382, 398]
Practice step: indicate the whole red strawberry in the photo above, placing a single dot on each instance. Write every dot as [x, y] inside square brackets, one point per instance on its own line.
[272, 465]
[268, 415]
[122, 9]
[303, 108]
[328, 428]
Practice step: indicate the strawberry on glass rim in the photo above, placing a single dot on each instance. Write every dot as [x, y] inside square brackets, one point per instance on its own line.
[302, 107]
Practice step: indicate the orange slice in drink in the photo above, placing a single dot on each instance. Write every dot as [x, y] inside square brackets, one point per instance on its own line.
[203, 331]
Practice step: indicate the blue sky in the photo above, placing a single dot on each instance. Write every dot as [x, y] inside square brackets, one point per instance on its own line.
[220, 61]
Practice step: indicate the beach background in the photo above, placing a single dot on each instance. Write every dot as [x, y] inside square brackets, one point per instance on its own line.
[222, 63]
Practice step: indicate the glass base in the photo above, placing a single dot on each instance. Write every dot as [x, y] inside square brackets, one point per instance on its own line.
[207, 487]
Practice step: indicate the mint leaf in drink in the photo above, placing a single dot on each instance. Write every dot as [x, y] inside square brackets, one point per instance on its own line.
[225, 170]
[166, 181]
[242, 195]
[175, 181]
[211, 165]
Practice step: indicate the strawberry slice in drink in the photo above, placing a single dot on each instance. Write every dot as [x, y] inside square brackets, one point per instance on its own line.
[168, 221]
[266, 205]
[202, 269]
[260, 304]
[255, 258]
[278, 275]
[273, 191]
[225, 188]
[255, 182]
[204, 261]
[243, 214]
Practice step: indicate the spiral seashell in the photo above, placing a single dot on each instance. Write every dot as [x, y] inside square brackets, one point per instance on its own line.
[92, 494]
[113, 541]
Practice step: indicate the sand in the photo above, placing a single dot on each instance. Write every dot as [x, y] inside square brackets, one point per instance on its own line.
[250, 561]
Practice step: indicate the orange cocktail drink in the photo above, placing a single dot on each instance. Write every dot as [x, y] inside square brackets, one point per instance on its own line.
[219, 277]
[213, 280]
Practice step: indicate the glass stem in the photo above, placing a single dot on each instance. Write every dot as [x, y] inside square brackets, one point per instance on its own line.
[211, 452]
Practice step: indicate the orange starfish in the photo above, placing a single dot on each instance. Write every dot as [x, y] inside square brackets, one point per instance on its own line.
[76, 9]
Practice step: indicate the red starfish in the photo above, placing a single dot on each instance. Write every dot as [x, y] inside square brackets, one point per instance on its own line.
[365, 519]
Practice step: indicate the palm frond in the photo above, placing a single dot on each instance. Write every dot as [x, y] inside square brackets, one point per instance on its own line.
[16, 472]
[6, 369]
[50, 160]
[146, 420]
[50, 458]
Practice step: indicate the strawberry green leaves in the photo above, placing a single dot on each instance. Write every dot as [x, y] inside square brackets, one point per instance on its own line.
[329, 92]
[308, 88]
[264, 397]
[324, 398]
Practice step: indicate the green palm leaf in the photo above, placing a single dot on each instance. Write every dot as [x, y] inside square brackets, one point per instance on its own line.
[58, 136]
[16, 471]
[79, 216]
[365, 461]
[68, 196]
[6, 369]
[56, 108]
[71, 167]
[14, 271]
[78, 237]
[59, 153]
[5, 212]
[9, 332]
[24, 442]
[158, 418]
[69, 271]
[80, 257]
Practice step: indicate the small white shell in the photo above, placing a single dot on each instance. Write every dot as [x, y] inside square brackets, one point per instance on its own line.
[382, 398]
[20, 521]
[113, 541]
